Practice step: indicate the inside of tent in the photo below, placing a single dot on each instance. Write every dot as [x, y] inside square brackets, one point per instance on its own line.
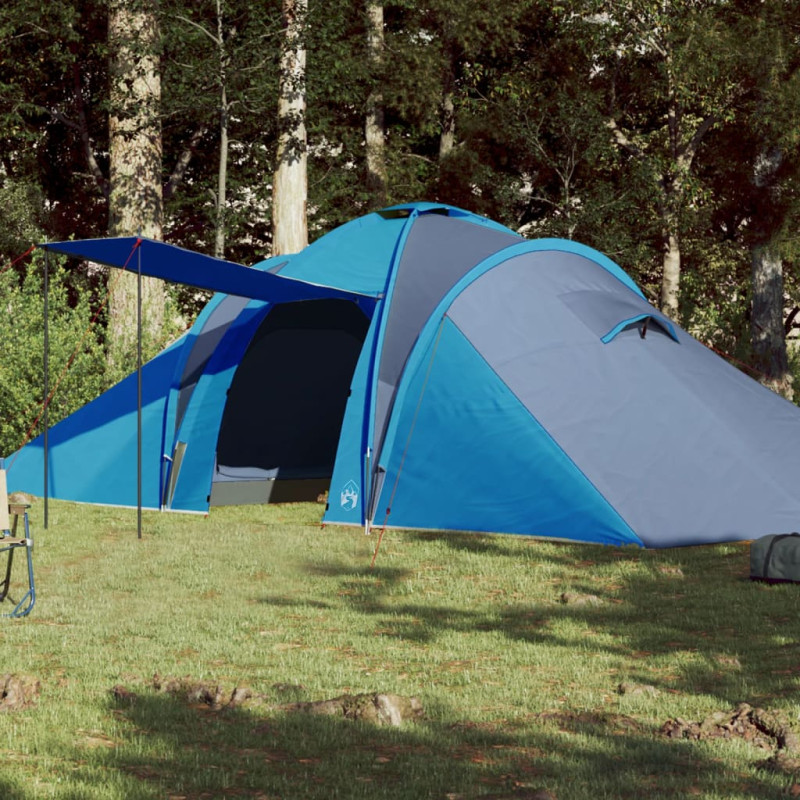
[283, 415]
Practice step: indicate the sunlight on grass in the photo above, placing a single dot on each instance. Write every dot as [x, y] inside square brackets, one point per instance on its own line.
[519, 688]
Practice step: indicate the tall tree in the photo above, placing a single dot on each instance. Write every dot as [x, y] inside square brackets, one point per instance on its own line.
[669, 73]
[220, 81]
[290, 182]
[135, 154]
[374, 130]
[768, 335]
[766, 166]
[218, 38]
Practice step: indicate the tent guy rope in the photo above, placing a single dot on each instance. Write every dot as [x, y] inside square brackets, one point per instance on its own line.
[408, 440]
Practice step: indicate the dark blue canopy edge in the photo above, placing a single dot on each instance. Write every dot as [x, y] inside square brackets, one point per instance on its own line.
[173, 263]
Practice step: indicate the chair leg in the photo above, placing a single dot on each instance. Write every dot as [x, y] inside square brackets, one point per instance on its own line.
[7, 580]
[25, 604]
[29, 598]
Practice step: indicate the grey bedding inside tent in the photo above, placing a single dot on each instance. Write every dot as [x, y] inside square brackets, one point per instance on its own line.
[281, 423]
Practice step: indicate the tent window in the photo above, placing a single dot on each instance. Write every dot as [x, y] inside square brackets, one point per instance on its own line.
[287, 399]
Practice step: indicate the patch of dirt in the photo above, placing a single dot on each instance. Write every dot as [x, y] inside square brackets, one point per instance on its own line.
[573, 722]
[515, 794]
[18, 692]
[94, 740]
[769, 730]
[378, 708]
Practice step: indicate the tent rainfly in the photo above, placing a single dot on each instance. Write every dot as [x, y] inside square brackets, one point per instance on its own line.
[435, 370]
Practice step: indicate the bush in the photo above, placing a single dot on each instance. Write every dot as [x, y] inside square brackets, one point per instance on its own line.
[72, 341]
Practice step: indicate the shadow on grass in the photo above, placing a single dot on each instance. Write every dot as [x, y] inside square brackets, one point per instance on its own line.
[11, 791]
[290, 602]
[166, 748]
[686, 620]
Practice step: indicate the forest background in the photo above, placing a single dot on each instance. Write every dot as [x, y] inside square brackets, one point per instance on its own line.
[666, 135]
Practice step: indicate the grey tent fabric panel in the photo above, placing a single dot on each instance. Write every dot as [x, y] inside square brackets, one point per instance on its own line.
[218, 322]
[439, 251]
[679, 415]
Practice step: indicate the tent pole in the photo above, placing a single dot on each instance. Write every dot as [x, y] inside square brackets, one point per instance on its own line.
[46, 378]
[139, 394]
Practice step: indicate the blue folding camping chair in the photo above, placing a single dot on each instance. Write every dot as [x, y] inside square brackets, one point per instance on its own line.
[10, 543]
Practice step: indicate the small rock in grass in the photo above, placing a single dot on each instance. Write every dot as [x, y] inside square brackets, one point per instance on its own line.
[638, 689]
[574, 599]
[380, 709]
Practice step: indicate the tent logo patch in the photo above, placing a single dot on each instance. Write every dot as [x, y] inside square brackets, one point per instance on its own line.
[349, 496]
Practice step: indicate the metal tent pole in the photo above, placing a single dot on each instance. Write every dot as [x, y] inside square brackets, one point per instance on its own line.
[139, 394]
[46, 378]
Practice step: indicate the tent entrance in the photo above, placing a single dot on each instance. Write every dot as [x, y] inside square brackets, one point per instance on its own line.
[283, 416]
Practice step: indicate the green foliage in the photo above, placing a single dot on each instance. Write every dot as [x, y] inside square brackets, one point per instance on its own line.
[715, 299]
[193, 75]
[76, 356]
[533, 85]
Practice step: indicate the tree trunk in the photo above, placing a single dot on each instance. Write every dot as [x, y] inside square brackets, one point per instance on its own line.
[290, 183]
[766, 320]
[447, 137]
[767, 330]
[671, 273]
[222, 173]
[374, 133]
[135, 197]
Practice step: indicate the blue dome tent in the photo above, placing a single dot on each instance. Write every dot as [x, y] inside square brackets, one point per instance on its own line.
[435, 370]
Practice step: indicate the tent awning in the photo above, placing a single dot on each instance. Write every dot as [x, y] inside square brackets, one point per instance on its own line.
[176, 264]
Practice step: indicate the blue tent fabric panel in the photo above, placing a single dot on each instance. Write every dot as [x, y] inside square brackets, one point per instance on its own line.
[201, 421]
[187, 342]
[358, 255]
[172, 263]
[468, 455]
[347, 493]
[92, 453]
[355, 256]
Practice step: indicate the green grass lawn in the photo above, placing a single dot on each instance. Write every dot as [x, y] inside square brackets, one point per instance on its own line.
[519, 689]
